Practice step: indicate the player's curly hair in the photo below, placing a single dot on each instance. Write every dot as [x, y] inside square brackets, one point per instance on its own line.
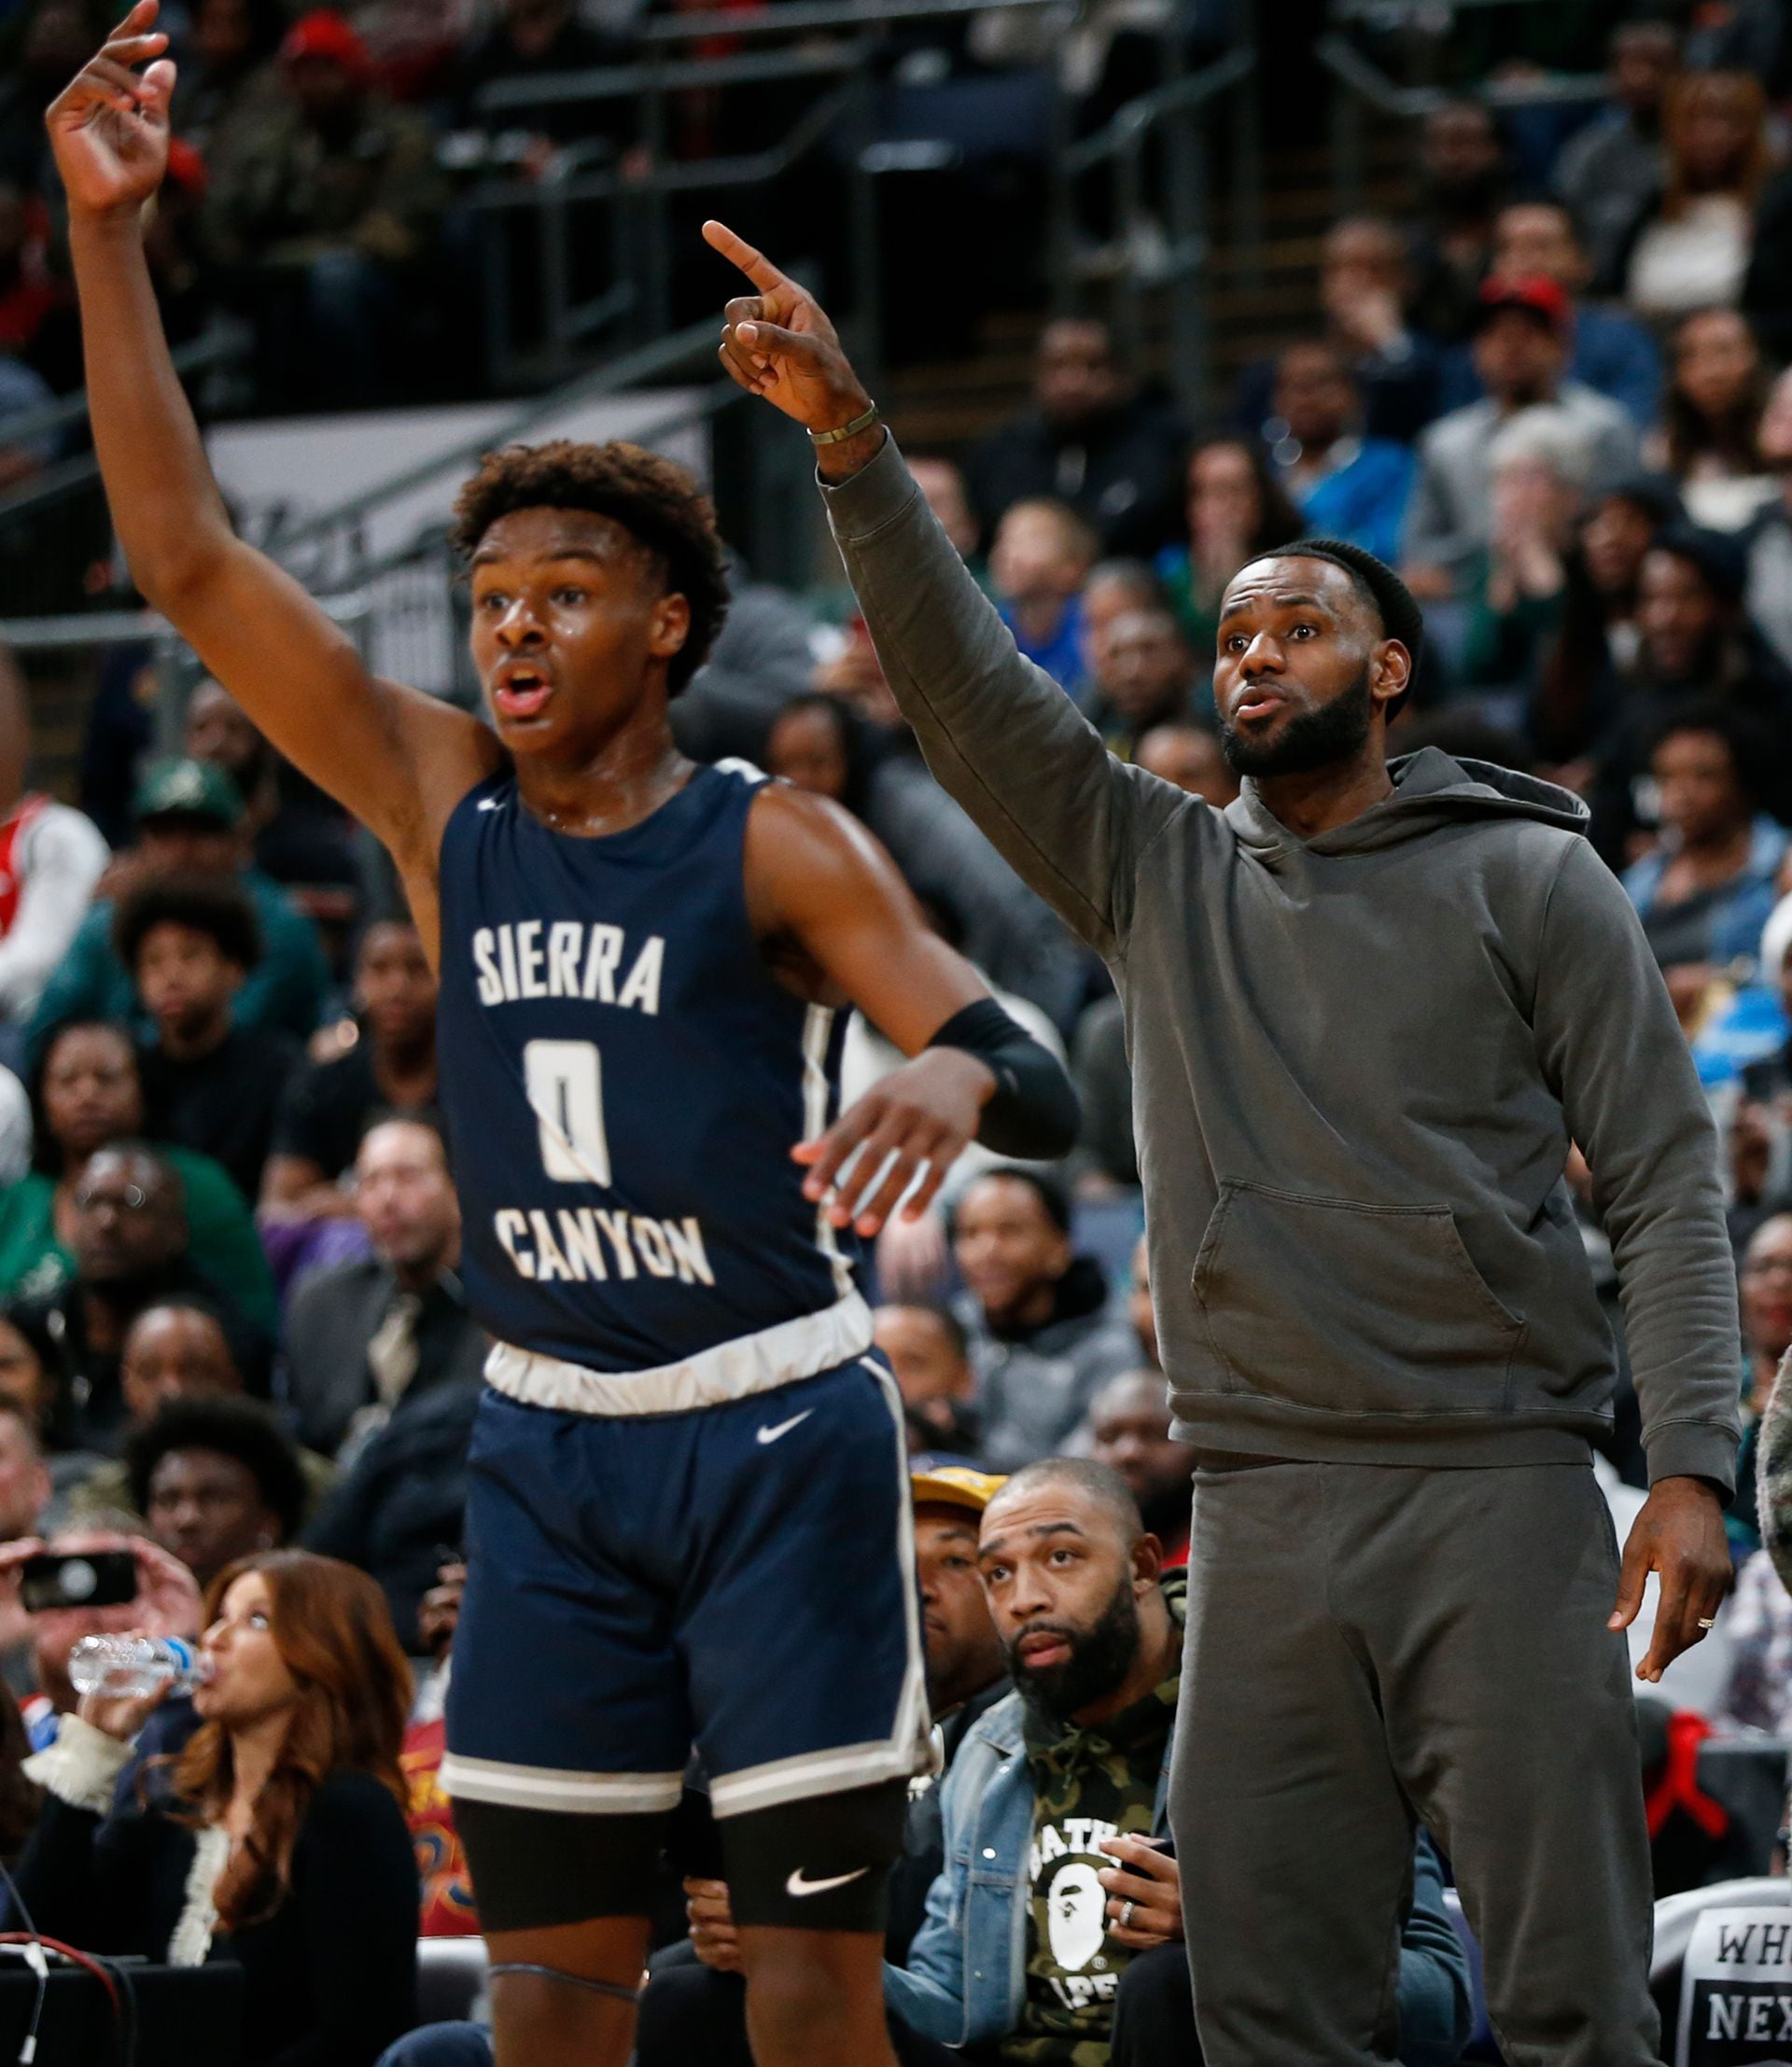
[654, 498]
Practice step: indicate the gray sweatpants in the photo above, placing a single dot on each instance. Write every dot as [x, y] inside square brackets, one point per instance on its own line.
[1371, 1644]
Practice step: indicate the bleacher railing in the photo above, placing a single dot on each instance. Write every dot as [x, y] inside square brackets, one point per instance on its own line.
[1364, 91]
[604, 300]
[638, 200]
[1171, 117]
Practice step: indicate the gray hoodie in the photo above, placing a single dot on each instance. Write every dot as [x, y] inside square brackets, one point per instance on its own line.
[1358, 1062]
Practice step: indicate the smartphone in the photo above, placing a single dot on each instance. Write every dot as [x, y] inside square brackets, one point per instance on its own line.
[98, 1579]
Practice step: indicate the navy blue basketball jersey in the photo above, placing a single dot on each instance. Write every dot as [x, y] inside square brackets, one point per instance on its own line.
[623, 1080]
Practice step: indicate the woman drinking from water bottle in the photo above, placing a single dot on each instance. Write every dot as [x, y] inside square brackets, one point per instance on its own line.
[277, 1838]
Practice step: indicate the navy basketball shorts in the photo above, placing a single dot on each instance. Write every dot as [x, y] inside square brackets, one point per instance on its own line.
[737, 1581]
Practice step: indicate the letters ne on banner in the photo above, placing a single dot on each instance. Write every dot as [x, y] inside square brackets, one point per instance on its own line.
[1736, 1991]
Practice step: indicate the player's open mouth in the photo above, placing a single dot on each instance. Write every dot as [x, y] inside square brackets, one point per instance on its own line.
[1256, 703]
[521, 691]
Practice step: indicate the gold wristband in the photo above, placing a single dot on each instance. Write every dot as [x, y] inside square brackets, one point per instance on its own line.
[846, 430]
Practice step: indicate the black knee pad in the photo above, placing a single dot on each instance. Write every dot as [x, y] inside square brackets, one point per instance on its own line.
[819, 1865]
[532, 1868]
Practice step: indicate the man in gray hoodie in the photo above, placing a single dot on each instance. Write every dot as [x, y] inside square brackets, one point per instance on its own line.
[1370, 1006]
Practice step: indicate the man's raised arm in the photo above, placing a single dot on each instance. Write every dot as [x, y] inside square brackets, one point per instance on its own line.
[999, 734]
[391, 755]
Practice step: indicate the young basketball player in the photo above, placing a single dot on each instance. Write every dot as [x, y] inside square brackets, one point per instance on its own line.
[687, 1525]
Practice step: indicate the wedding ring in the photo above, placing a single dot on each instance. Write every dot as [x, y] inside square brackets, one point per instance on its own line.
[1124, 1920]
[1707, 1621]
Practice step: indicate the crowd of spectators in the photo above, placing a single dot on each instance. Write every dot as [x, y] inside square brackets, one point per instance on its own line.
[232, 1338]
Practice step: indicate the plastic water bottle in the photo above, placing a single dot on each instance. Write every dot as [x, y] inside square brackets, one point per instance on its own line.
[129, 1668]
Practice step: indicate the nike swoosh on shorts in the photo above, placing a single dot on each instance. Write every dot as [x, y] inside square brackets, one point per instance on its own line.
[784, 1428]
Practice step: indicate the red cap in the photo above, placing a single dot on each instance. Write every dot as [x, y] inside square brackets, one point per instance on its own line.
[1534, 292]
[326, 34]
[187, 168]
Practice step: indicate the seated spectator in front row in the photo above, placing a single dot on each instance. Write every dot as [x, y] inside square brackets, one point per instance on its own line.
[87, 1093]
[1044, 1334]
[1130, 1433]
[129, 1238]
[928, 1352]
[362, 1334]
[1039, 561]
[190, 822]
[694, 2008]
[209, 1084]
[1055, 1929]
[215, 1480]
[279, 1831]
[182, 1349]
[388, 1067]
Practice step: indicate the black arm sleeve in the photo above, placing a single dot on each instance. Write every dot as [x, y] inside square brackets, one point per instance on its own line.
[1034, 1113]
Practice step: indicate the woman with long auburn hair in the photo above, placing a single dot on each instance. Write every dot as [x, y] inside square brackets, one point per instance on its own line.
[276, 1838]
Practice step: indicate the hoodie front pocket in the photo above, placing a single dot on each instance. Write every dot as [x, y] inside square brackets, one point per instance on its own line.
[1348, 1308]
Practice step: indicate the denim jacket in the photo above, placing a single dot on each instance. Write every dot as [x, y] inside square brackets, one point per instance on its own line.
[966, 1978]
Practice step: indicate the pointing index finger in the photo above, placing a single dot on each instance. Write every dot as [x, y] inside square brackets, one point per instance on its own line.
[758, 268]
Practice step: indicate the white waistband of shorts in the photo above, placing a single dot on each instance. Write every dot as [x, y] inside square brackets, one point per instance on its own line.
[799, 1348]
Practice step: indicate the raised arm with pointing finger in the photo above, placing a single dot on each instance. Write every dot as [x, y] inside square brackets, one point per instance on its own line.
[1000, 734]
[397, 759]
[1368, 1006]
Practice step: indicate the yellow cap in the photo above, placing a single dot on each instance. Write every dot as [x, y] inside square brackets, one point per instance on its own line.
[956, 1486]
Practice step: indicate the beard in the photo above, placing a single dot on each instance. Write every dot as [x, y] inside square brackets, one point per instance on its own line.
[1101, 1658]
[1318, 738]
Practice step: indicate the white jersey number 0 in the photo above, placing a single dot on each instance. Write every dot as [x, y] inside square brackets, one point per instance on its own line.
[565, 1081]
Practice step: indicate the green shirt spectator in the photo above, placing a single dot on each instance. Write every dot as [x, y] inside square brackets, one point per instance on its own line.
[86, 1092]
[189, 821]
